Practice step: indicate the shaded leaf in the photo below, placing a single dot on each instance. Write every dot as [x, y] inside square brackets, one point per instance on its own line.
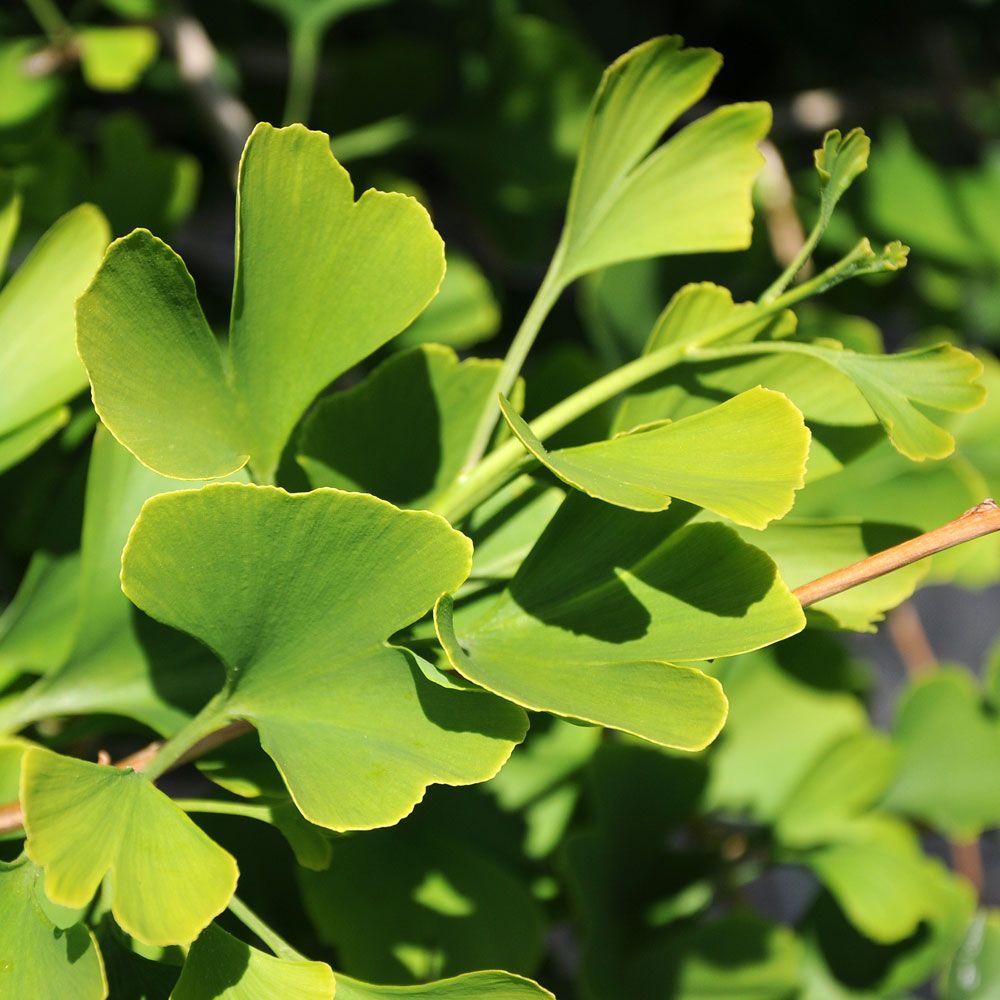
[221, 967]
[85, 821]
[10, 216]
[474, 986]
[325, 577]
[422, 404]
[321, 282]
[839, 161]
[743, 459]
[25, 94]
[38, 959]
[590, 633]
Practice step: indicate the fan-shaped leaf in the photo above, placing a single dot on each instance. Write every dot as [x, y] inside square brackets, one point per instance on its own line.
[298, 595]
[321, 282]
[589, 631]
[743, 459]
[85, 821]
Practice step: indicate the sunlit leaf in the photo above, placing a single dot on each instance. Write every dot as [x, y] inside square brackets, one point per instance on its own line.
[10, 216]
[839, 161]
[949, 746]
[37, 329]
[321, 282]
[114, 58]
[423, 403]
[691, 194]
[594, 632]
[743, 459]
[85, 821]
[221, 967]
[325, 578]
[38, 959]
[473, 986]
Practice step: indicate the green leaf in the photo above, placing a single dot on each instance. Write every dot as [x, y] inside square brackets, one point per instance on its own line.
[85, 821]
[319, 14]
[321, 282]
[465, 312]
[10, 216]
[880, 877]
[221, 967]
[949, 747]
[805, 550]
[38, 959]
[11, 752]
[897, 387]
[325, 578]
[423, 403]
[839, 161]
[845, 780]
[25, 95]
[115, 58]
[743, 459]
[418, 902]
[37, 627]
[975, 970]
[474, 986]
[590, 632]
[36, 319]
[691, 194]
[120, 662]
[19, 443]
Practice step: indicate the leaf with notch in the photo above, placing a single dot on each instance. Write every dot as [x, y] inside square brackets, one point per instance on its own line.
[298, 594]
[85, 821]
[322, 281]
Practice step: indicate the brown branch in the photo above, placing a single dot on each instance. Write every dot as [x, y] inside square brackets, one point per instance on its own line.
[909, 637]
[983, 519]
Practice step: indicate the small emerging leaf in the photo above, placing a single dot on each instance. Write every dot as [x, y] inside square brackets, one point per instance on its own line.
[88, 821]
[839, 161]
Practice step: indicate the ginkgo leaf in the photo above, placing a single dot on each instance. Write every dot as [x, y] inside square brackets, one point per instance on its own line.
[114, 58]
[10, 216]
[422, 403]
[321, 282]
[298, 594]
[595, 631]
[897, 387]
[39, 959]
[839, 162]
[37, 329]
[221, 967]
[86, 821]
[25, 438]
[691, 194]
[119, 662]
[472, 986]
[743, 459]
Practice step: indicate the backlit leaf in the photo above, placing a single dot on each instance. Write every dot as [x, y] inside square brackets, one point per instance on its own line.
[325, 578]
[743, 459]
[85, 821]
[321, 282]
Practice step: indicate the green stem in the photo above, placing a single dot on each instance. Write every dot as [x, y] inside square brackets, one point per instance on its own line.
[208, 721]
[220, 807]
[510, 458]
[798, 262]
[51, 20]
[304, 45]
[265, 932]
[545, 298]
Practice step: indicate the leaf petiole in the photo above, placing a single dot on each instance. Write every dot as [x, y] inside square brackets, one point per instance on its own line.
[264, 931]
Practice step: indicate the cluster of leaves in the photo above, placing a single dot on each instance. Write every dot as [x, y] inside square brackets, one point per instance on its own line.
[386, 589]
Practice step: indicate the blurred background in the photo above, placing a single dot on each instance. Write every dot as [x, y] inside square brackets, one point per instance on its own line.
[477, 109]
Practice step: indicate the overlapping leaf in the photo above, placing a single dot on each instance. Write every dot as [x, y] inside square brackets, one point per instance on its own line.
[631, 200]
[422, 404]
[86, 821]
[221, 967]
[598, 633]
[321, 282]
[37, 330]
[40, 959]
[743, 459]
[473, 986]
[298, 595]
